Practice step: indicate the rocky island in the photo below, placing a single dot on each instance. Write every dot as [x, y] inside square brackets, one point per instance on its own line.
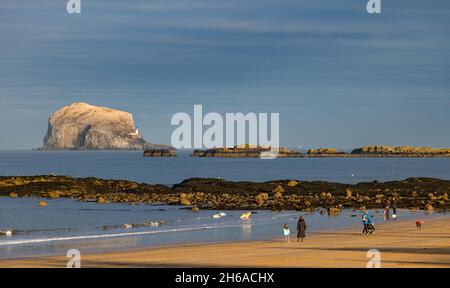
[382, 151]
[206, 193]
[81, 126]
[244, 151]
[325, 152]
[248, 151]
[160, 153]
[401, 151]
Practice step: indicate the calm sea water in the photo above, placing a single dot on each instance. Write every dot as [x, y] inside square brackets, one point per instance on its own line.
[132, 166]
[65, 224]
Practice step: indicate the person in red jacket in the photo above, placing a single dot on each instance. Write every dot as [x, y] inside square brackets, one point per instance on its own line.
[419, 224]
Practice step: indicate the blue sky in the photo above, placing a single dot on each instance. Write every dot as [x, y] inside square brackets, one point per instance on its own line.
[338, 76]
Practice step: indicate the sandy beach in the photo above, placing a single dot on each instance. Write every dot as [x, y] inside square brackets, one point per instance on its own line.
[400, 244]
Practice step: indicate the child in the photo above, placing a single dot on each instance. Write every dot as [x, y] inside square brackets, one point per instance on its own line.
[386, 213]
[419, 224]
[286, 233]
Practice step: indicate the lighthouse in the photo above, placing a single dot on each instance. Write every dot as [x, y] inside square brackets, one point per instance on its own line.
[135, 133]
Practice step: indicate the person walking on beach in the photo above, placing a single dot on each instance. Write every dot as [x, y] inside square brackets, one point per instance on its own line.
[394, 208]
[286, 233]
[367, 222]
[386, 212]
[301, 228]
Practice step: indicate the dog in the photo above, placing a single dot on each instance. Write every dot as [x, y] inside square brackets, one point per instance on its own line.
[419, 224]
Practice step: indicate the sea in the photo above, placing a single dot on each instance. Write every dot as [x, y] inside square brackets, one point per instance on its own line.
[66, 224]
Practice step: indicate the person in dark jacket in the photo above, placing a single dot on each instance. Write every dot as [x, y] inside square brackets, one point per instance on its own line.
[394, 208]
[301, 228]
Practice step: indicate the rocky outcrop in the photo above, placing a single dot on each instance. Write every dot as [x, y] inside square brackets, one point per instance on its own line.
[381, 151]
[402, 151]
[81, 126]
[160, 153]
[322, 151]
[325, 152]
[207, 193]
[246, 151]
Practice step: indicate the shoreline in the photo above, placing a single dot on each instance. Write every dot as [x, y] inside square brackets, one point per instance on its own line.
[400, 244]
[404, 214]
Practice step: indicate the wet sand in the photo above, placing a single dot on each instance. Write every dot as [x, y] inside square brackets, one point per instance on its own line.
[400, 244]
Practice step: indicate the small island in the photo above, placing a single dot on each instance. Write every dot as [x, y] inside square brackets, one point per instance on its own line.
[401, 151]
[249, 151]
[382, 151]
[160, 153]
[244, 151]
[325, 152]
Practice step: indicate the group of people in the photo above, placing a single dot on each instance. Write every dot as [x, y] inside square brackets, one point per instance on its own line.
[301, 230]
[369, 227]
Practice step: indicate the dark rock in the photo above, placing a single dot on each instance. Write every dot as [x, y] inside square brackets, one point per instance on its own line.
[160, 153]
[244, 151]
[210, 193]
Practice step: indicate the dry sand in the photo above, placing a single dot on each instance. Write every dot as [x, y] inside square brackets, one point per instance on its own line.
[400, 244]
